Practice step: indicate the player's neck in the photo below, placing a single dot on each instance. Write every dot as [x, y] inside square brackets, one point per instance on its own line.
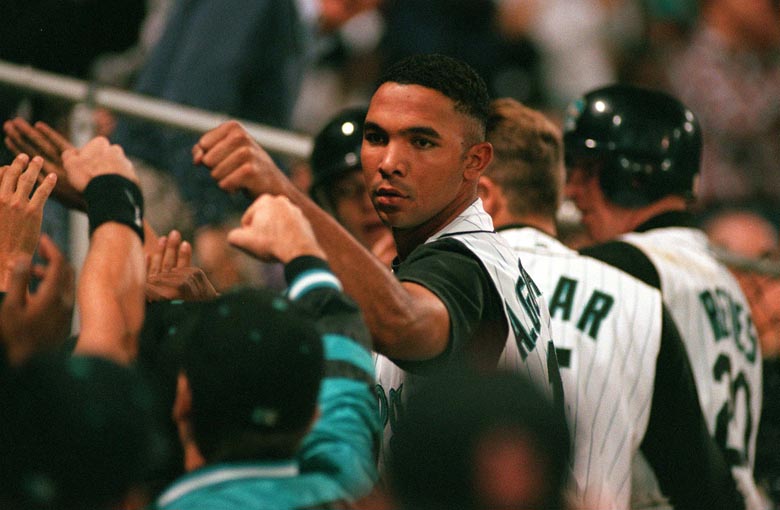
[539, 222]
[407, 239]
[666, 204]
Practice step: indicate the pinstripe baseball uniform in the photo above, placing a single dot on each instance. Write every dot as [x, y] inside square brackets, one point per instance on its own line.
[714, 320]
[610, 333]
[497, 317]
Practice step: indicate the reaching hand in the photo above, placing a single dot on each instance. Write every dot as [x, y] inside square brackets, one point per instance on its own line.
[44, 141]
[170, 275]
[170, 252]
[97, 157]
[21, 210]
[273, 229]
[237, 161]
[34, 322]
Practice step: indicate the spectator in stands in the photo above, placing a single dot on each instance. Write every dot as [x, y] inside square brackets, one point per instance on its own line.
[243, 58]
[729, 75]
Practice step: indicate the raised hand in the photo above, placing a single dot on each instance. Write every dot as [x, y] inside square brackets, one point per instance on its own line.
[170, 252]
[273, 229]
[21, 211]
[39, 321]
[97, 157]
[170, 274]
[42, 140]
[237, 162]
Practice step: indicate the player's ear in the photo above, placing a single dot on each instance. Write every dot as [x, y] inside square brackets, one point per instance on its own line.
[478, 157]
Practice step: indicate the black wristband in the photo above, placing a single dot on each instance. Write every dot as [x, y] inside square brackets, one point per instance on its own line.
[112, 197]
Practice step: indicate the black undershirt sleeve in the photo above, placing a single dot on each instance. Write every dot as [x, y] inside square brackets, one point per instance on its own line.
[690, 468]
[449, 270]
[627, 257]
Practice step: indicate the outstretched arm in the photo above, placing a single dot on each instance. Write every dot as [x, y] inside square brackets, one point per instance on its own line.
[111, 287]
[44, 141]
[406, 320]
[346, 435]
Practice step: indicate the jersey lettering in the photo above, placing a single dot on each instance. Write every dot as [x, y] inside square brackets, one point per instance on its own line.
[390, 405]
[596, 309]
[563, 297]
[738, 387]
[382, 403]
[726, 316]
[527, 292]
[526, 340]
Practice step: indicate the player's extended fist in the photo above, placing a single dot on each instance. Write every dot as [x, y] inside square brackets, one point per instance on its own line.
[273, 228]
[98, 157]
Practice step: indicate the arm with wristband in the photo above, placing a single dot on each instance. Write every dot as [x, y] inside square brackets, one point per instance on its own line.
[345, 438]
[110, 291]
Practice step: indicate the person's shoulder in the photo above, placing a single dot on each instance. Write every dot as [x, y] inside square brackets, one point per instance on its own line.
[627, 257]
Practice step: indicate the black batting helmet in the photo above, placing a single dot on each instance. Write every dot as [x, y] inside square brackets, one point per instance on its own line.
[648, 144]
[336, 149]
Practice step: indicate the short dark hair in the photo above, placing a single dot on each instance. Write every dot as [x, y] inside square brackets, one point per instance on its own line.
[452, 77]
[527, 157]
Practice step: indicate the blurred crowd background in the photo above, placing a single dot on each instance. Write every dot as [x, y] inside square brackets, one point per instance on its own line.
[293, 64]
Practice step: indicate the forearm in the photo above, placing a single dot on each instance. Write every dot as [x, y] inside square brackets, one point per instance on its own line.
[111, 293]
[401, 325]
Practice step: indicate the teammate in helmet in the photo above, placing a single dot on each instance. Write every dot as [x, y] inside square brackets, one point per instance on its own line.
[643, 145]
[338, 186]
[632, 155]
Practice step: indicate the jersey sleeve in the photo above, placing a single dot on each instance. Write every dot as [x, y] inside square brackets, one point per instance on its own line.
[455, 275]
[344, 440]
[690, 468]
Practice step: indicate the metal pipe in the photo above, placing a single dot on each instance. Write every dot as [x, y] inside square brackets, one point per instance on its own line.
[147, 108]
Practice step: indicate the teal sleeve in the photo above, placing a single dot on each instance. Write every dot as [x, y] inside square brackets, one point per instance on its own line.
[343, 442]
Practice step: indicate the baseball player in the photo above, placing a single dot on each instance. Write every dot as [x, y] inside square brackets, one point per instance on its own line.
[632, 155]
[628, 386]
[338, 186]
[458, 293]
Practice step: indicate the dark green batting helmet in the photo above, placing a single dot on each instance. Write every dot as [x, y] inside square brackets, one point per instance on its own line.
[336, 149]
[646, 143]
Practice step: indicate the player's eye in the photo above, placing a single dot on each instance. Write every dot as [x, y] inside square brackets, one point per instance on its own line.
[422, 143]
[373, 137]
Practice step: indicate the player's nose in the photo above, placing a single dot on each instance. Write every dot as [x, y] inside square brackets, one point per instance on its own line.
[393, 161]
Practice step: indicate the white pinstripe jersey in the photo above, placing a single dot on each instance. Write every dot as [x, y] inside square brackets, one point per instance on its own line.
[607, 330]
[528, 341]
[714, 320]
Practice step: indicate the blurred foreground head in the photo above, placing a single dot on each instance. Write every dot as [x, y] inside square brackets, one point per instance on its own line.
[78, 433]
[486, 441]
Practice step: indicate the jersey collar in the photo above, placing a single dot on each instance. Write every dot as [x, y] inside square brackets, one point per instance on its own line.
[220, 473]
[668, 219]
